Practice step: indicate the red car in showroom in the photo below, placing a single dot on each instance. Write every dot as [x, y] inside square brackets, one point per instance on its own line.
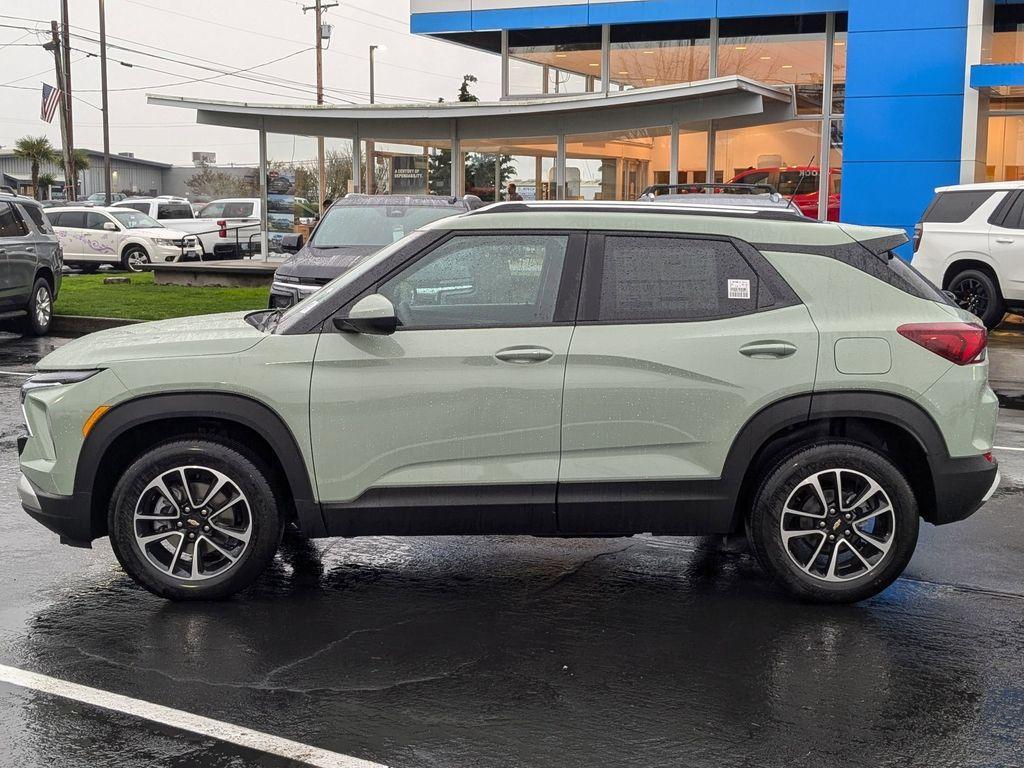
[805, 181]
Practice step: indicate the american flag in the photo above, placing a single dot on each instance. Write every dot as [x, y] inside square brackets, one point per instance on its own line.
[51, 98]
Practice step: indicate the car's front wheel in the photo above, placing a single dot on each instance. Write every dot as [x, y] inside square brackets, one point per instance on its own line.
[134, 259]
[979, 294]
[835, 522]
[194, 519]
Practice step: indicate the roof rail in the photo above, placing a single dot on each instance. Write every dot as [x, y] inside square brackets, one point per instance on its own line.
[698, 187]
[675, 208]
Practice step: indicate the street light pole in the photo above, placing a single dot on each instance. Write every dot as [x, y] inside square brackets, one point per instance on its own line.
[371, 173]
[106, 112]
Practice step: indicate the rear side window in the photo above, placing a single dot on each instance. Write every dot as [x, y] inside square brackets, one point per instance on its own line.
[651, 279]
[954, 207]
[74, 219]
[173, 211]
[38, 218]
[11, 224]
[140, 207]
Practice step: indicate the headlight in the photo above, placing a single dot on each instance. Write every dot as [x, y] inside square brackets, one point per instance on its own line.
[165, 242]
[49, 379]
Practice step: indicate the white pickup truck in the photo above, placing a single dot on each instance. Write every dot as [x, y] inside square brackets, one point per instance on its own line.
[226, 229]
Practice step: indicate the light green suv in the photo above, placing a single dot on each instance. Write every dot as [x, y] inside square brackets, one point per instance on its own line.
[545, 369]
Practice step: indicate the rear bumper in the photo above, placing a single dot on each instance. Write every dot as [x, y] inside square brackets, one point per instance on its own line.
[67, 516]
[962, 486]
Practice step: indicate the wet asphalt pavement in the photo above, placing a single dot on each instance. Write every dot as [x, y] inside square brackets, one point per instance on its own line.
[506, 651]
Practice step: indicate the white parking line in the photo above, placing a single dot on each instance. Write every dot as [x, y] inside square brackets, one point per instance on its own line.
[184, 721]
[1005, 448]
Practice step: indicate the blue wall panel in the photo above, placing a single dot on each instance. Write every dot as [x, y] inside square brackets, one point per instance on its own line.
[891, 194]
[892, 63]
[532, 18]
[735, 8]
[881, 15]
[909, 128]
[651, 10]
[450, 21]
[992, 75]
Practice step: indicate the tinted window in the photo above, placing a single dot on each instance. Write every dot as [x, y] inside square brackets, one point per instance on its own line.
[95, 220]
[378, 225]
[173, 211]
[481, 280]
[226, 210]
[798, 182]
[38, 218]
[10, 222]
[74, 219]
[673, 278]
[955, 207]
[140, 207]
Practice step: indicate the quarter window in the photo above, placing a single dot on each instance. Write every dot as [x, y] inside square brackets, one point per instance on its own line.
[10, 223]
[666, 279]
[173, 211]
[955, 207]
[481, 280]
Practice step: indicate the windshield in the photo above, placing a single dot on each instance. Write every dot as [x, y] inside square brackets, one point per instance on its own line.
[131, 219]
[376, 225]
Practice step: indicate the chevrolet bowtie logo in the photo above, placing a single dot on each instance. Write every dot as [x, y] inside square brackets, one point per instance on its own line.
[835, 525]
[193, 523]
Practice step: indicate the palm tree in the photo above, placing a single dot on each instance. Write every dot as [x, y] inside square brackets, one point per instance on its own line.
[46, 180]
[39, 150]
[79, 162]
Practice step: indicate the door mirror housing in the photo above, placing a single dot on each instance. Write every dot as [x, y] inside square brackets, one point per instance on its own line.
[110, 226]
[373, 314]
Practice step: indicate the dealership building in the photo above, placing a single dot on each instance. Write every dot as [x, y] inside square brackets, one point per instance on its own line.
[858, 107]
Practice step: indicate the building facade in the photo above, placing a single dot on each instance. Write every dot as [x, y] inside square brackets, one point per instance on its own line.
[890, 99]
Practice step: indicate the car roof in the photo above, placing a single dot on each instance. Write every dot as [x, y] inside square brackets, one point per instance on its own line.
[753, 226]
[86, 208]
[423, 201]
[989, 186]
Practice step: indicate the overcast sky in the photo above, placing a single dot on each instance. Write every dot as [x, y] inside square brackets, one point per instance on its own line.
[224, 35]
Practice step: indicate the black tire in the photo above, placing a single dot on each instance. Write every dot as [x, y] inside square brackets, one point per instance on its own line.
[39, 308]
[784, 482]
[88, 269]
[132, 257]
[249, 476]
[978, 293]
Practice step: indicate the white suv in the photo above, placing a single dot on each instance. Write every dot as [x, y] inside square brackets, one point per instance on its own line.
[970, 242]
[160, 208]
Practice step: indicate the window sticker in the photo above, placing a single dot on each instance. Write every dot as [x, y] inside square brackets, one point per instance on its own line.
[739, 289]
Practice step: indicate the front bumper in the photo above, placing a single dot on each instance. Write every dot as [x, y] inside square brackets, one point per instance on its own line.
[962, 486]
[67, 516]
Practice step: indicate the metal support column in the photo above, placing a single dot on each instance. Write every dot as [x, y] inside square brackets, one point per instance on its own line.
[264, 218]
[560, 167]
[606, 58]
[712, 128]
[497, 178]
[357, 161]
[504, 64]
[458, 167]
[673, 154]
[825, 154]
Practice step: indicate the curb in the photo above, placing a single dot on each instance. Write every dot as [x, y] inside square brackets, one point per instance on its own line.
[80, 325]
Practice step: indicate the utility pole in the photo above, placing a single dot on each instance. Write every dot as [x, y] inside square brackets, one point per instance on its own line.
[321, 172]
[371, 161]
[106, 110]
[70, 183]
[55, 46]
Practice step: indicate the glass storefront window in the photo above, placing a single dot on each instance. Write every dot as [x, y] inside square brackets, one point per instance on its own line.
[523, 167]
[781, 50]
[839, 70]
[554, 60]
[784, 155]
[1005, 148]
[615, 165]
[647, 55]
[1007, 43]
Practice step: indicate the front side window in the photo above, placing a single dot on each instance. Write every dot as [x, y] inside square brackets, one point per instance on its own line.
[136, 220]
[173, 211]
[10, 223]
[376, 225]
[95, 220]
[672, 279]
[481, 280]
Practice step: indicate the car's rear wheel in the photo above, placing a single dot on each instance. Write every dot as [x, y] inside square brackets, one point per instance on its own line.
[134, 259]
[40, 308]
[979, 294]
[835, 522]
[194, 519]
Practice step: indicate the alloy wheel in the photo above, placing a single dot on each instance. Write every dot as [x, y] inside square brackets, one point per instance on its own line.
[43, 307]
[838, 525]
[192, 523]
[971, 295]
[137, 259]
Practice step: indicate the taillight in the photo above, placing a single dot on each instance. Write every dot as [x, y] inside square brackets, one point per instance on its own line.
[960, 343]
[223, 229]
[918, 234]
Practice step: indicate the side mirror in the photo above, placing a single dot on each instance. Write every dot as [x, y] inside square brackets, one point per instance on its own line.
[110, 226]
[373, 314]
[292, 242]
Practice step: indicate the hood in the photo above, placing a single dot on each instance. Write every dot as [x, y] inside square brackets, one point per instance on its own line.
[223, 334]
[319, 264]
[163, 233]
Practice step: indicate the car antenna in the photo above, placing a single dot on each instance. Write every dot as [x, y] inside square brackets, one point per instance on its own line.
[800, 180]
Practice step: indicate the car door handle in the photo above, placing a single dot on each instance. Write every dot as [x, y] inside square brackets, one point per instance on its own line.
[524, 355]
[768, 349]
[1005, 240]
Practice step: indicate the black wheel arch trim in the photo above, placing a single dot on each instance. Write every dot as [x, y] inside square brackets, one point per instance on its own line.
[223, 406]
